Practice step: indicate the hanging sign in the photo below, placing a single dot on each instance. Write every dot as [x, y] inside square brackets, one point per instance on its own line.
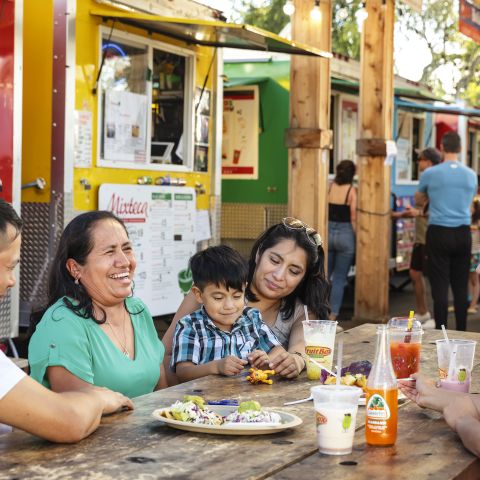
[161, 225]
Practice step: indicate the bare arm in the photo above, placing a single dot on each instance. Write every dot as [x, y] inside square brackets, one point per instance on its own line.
[468, 429]
[61, 380]
[162, 381]
[421, 198]
[353, 208]
[462, 415]
[66, 417]
[188, 306]
[226, 366]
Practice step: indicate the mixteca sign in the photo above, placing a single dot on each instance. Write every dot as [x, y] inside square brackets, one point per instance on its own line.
[469, 21]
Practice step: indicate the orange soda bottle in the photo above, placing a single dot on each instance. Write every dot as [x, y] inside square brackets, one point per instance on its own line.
[381, 410]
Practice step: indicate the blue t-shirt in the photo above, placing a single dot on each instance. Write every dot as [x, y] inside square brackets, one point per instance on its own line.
[450, 187]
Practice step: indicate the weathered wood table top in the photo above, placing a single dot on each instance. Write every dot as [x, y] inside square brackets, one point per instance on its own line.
[135, 445]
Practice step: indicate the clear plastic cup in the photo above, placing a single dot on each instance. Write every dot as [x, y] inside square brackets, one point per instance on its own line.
[335, 413]
[460, 374]
[405, 346]
[319, 338]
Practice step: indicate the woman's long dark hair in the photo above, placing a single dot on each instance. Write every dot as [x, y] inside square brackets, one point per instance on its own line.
[314, 289]
[75, 242]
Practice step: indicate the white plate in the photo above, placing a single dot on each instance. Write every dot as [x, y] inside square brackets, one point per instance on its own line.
[288, 420]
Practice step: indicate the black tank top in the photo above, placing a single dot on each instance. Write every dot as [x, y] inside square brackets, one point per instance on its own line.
[338, 212]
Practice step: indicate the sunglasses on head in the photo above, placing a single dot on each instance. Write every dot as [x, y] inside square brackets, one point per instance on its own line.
[296, 224]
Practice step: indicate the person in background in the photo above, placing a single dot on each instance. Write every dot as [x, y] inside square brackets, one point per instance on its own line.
[223, 335]
[24, 403]
[460, 410]
[427, 158]
[342, 205]
[285, 275]
[93, 331]
[449, 189]
[474, 284]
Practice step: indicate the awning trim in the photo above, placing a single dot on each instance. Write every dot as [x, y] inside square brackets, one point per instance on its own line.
[426, 107]
[212, 33]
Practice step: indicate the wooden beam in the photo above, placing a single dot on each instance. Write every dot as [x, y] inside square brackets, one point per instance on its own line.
[373, 216]
[309, 136]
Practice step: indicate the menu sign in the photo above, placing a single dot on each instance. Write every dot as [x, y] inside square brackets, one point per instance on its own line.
[161, 224]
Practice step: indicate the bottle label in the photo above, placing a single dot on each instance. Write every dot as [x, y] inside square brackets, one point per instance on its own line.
[377, 408]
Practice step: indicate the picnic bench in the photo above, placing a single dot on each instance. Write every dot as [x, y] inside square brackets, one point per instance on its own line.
[135, 445]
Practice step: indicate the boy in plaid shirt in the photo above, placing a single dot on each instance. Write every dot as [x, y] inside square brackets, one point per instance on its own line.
[223, 335]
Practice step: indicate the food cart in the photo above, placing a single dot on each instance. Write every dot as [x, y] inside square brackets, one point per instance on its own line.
[125, 99]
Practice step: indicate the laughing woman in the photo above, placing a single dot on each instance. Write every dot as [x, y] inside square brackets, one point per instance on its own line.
[93, 331]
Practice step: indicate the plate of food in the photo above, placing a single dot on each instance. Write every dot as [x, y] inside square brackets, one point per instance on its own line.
[249, 418]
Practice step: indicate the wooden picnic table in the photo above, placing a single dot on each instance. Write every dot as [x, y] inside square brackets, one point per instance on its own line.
[135, 445]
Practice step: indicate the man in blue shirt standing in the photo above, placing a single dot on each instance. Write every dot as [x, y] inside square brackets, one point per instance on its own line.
[449, 189]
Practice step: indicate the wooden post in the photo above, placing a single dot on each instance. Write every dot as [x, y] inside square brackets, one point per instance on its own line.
[373, 216]
[309, 137]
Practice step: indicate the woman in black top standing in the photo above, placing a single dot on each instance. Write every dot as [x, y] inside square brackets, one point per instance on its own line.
[342, 204]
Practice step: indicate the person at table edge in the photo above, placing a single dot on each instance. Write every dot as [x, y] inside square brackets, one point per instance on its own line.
[460, 410]
[24, 403]
[93, 331]
[286, 273]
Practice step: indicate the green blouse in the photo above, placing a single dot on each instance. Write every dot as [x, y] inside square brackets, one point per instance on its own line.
[64, 339]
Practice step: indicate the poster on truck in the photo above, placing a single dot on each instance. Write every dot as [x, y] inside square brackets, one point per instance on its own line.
[161, 224]
[125, 128]
[240, 133]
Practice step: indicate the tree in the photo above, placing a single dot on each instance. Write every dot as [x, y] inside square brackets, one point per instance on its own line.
[455, 59]
[454, 68]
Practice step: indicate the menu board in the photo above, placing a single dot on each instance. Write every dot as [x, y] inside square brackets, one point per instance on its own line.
[161, 224]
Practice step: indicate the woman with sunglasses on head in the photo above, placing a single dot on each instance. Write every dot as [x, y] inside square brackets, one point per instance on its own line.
[342, 205]
[286, 273]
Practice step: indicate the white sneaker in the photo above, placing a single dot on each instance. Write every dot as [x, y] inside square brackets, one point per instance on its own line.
[428, 324]
[422, 318]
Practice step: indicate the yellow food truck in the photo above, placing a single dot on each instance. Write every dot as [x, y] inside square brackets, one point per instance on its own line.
[122, 108]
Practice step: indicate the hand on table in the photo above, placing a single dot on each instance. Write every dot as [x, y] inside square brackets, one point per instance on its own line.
[112, 401]
[230, 365]
[284, 364]
[459, 407]
[259, 359]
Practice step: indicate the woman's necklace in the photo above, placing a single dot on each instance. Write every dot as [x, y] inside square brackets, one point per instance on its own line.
[124, 344]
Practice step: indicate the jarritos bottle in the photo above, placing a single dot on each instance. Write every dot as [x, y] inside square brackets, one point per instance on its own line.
[381, 409]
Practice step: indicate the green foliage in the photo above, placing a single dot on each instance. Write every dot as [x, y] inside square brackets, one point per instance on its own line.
[266, 14]
[436, 25]
[452, 54]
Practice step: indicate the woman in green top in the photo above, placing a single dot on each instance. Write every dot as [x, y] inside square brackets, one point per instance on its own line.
[93, 331]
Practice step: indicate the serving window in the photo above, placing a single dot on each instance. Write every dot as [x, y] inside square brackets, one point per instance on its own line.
[146, 95]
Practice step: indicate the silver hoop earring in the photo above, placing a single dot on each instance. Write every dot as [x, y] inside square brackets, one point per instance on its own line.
[76, 281]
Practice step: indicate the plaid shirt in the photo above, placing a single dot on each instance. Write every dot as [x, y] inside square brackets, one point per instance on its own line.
[198, 340]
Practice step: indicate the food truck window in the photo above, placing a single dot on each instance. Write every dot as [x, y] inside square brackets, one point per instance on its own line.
[123, 102]
[146, 104]
[168, 108]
